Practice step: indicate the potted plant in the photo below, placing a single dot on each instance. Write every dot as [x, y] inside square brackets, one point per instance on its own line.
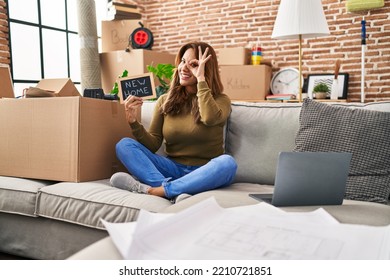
[115, 89]
[321, 91]
[164, 73]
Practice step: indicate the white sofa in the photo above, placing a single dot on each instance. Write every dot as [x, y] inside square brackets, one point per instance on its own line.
[54, 220]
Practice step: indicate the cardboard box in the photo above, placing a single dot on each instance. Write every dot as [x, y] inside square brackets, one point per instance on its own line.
[234, 56]
[116, 33]
[6, 87]
[61, 87]
[135, 62]
[61, 139]
[246, 82]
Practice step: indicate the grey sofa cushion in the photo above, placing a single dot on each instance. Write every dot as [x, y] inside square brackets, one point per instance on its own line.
[364, 133]
[256, 133]
[18, 195]
[383, 106]
[86, 203]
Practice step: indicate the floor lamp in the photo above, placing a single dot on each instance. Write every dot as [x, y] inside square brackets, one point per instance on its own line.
[300, 19]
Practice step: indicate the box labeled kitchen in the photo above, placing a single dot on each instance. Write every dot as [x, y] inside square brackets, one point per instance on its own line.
[246, 82]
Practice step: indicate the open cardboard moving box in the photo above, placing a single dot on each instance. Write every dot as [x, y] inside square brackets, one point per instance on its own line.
[61, 139]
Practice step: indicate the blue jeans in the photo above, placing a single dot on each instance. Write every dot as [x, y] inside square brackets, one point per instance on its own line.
[156, 170]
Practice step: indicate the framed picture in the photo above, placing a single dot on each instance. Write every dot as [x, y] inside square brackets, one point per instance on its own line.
[314, 79]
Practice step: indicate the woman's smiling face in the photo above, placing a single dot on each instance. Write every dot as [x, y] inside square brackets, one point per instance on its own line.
[187, 79]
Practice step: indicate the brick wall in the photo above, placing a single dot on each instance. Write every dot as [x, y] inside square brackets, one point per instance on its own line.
[4, 48]
[234, 23]
[229, 23]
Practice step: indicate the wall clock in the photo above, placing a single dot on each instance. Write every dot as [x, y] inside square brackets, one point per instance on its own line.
[286, 81]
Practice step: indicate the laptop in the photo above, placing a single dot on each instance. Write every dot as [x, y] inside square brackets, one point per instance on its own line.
[309, 178]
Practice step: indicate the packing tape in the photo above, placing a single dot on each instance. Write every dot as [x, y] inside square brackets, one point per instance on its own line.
[114, 109]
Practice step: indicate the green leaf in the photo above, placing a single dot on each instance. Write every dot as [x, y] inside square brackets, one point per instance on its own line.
[124, 74]
[321, 87]
[160, 91]
[115, 89]
[164, 73]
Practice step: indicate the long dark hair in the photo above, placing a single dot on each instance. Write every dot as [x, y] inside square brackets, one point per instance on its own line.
[177, 100]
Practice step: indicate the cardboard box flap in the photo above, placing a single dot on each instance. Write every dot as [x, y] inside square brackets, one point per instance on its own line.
[61, 87]
[6, 88]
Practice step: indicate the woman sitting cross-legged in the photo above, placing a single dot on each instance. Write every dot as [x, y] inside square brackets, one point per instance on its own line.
[190, 119]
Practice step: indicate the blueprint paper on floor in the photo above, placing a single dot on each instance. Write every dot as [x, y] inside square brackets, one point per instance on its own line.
[122, 233]
[207, 231]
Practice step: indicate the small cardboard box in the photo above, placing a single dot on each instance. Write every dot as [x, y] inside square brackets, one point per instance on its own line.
[6, 88]
[246, 82]
[116, 33]
[135, 62]
[61, 139]
[61, 87]
[234, 56]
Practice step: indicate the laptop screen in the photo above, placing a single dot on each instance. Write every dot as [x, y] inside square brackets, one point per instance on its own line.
[310, 178]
